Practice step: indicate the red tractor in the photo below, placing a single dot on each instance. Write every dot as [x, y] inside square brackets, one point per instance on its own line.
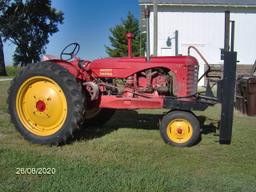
[49, 100]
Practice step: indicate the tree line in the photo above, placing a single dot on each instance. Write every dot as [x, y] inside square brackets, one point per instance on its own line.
[28, 24]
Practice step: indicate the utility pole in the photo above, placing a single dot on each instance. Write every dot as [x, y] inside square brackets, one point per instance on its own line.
[155, 28]
[147, 15]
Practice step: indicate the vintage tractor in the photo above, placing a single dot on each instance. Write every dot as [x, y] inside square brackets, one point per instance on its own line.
[49, 100]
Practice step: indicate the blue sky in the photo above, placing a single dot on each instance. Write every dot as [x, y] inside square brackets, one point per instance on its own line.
[86, 22]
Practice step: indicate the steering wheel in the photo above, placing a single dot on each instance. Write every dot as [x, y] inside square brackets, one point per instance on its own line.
[70, 51]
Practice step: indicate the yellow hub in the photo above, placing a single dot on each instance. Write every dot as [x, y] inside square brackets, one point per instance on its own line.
[41, 106]
[179, 131]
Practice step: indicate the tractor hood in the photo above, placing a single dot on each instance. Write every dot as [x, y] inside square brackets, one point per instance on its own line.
[124, 67]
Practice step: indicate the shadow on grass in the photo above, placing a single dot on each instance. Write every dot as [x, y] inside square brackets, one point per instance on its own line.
[208, 125]
[134, 120]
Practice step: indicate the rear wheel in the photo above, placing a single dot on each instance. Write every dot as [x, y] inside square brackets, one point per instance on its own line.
[180, 128]
[46, 103]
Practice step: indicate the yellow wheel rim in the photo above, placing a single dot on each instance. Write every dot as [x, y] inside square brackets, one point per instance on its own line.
[41, 106]
[179, 131]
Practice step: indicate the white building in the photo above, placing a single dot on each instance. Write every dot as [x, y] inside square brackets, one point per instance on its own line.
[201, 23]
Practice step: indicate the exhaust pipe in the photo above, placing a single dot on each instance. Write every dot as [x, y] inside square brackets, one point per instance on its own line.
[129, 46]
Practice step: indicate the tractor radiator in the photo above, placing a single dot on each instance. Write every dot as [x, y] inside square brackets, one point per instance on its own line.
[192, 77]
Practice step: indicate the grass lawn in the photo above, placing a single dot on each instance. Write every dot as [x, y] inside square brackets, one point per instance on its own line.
[128, 154]
[6, 77]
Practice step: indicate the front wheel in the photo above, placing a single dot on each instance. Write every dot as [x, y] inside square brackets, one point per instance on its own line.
[46, 103]
[180, 128]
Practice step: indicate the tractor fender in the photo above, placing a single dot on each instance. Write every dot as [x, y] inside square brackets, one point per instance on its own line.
[71, 67]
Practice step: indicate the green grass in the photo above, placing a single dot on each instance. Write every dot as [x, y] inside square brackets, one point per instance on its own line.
[11, 71]
[128, 154]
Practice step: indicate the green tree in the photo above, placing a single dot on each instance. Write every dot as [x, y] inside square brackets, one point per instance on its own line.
[119, 41]
[28, 24]
[3, 6]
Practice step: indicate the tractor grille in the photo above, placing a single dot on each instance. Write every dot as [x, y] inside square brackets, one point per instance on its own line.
[192, 77]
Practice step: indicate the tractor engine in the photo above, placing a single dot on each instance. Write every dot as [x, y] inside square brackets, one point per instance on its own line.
[152, 81]
[161, 83]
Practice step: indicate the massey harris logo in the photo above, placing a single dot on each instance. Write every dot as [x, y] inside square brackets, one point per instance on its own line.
[106, 72]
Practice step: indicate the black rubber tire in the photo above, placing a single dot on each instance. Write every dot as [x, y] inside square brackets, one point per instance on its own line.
[190, 117]
[102, 117]
[72, 91]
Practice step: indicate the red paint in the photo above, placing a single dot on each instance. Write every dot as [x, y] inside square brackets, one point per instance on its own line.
[179, 131]
[73, 68]
[131, 102]
[129, 39]
[142, 81]
[40, 106]
[183, 68]
[159, 81]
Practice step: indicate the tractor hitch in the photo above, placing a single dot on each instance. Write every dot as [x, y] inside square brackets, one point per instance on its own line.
[227, 84]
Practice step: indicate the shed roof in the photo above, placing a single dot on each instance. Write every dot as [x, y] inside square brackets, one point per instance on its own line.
[220, 3]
